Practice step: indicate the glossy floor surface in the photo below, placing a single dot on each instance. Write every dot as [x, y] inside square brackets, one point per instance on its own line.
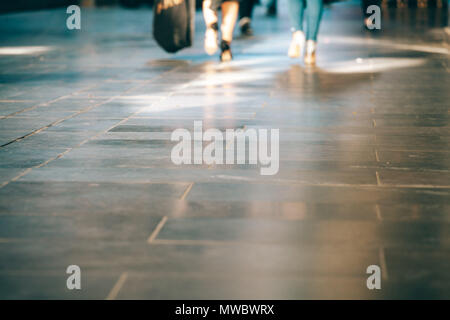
[86, 176]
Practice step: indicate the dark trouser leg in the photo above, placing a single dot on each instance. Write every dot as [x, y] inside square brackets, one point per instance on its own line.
[245, 16]
[246, 8]
[272, 8]
[314, 14]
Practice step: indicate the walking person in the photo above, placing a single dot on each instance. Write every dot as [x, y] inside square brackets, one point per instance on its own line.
[230, 9]
[245, 17]
[313, 16]
[271, 8]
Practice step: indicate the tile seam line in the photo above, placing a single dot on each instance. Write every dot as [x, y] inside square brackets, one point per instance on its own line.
[367, 186]
[87, 109]
[157, 230]
[49, 102]
[57, 122]
[60, 155]
[117, 286]
[186, 192]
[203, 242]
[342, 185]
[383, 264]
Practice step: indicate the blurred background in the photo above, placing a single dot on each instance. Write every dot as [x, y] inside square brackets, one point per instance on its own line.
[86, 176]
[417, 13]
[21, 5]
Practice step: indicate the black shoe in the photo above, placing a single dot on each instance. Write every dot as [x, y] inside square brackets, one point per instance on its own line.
[271, 11]
[246, 28]
[225, 54]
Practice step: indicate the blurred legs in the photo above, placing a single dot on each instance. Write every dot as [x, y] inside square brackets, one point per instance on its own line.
[313, 17]
[211, 34]
[230, 11]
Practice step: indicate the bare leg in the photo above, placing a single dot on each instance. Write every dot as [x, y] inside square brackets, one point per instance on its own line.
[230, 10]
[209, 14]
[211, 34]
[296, 11]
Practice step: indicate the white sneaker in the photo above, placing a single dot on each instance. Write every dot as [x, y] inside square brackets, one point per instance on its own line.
[297, 43]
[211, 38]
[310, 52]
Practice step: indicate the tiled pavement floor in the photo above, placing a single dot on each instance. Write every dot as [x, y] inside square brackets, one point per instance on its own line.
[86, 176]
